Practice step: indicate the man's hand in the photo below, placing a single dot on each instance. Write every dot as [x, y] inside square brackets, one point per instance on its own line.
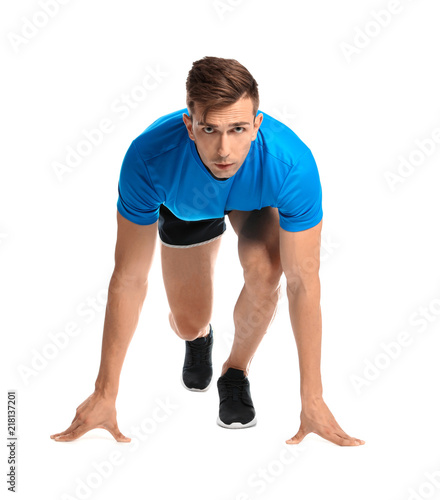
[96, 412]
[316, 417]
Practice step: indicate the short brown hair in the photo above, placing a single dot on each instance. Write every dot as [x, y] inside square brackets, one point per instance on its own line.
[214, 82]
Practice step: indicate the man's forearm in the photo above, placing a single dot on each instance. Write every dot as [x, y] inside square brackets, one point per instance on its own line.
[124, 305]
[305, 317]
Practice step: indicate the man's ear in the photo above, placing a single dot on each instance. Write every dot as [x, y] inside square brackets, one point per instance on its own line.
[257, 123]
[189, 125]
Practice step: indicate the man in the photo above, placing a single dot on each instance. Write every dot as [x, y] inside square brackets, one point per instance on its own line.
[180, 178]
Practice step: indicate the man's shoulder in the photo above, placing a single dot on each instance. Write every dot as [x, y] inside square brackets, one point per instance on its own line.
[164, 134]
[279, 141]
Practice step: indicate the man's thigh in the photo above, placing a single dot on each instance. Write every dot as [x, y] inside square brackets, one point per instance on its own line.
[188, 275]
[188, 252]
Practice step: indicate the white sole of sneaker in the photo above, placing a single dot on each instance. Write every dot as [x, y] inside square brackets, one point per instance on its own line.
[196, 390]
[237, 425]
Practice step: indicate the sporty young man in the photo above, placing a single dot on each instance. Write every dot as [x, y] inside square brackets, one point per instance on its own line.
[180, 178]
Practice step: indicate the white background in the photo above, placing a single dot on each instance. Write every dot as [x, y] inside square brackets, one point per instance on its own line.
[379, 253]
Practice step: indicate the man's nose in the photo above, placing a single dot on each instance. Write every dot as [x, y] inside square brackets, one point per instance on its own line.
[223, 148]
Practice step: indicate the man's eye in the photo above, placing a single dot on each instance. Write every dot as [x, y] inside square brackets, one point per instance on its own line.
[210, 130]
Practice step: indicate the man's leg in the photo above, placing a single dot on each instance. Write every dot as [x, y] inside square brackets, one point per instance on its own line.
[189, 250]
[188, 279]
[258, 251]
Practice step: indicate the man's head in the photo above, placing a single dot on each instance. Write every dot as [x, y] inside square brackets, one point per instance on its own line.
[222, 98]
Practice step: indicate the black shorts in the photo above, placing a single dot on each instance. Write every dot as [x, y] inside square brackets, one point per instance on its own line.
[175, 232]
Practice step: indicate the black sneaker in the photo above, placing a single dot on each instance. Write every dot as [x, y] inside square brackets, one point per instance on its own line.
[236, 408]
[197, 367]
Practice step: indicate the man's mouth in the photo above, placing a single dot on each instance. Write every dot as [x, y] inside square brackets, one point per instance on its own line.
[223, 165]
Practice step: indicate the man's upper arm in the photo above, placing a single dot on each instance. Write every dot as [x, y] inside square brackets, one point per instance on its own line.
[134, 251]
[299, 201]
[300, 255]
[138, 200]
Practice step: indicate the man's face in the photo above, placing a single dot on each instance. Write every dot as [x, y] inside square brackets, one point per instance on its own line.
[225, 138]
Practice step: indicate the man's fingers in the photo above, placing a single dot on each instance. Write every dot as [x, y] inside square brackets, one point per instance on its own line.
[65, 437]
[72, 427]
[343, 440]
[298, 437]
[354, 441]
[75, 434]
[335, 436]
[117, 434]
[120, 437]
[341, 433]
[79, 431]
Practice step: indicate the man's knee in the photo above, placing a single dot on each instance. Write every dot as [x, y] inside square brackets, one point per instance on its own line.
[262, 271]
[187, 327]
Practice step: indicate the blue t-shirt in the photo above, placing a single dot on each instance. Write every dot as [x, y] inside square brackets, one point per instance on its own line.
[162, 165]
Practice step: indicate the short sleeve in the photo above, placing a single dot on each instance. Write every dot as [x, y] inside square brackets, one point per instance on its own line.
[300, 198]
[138, 201]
